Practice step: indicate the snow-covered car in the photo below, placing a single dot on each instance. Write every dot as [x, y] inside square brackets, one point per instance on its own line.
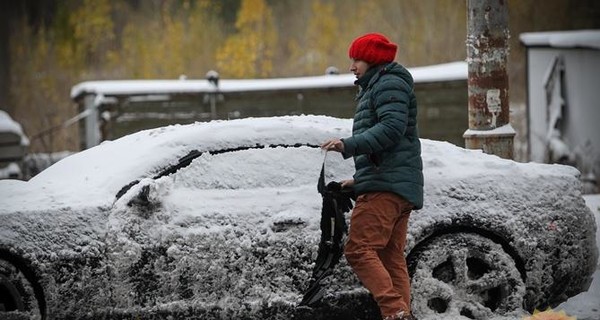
[220, 220]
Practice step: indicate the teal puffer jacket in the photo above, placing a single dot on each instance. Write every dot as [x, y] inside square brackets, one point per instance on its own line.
[385, 139]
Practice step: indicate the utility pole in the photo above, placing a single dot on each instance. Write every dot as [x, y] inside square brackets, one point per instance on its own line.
[487, 54]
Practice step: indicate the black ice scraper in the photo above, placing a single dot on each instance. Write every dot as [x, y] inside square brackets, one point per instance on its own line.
[336, 202]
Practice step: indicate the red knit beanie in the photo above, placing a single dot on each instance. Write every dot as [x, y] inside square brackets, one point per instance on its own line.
[373, 48]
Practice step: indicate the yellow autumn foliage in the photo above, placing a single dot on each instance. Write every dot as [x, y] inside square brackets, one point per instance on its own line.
[248, 53]
[115, 39]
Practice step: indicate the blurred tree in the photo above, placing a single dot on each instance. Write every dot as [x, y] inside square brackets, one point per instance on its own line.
[146, 43]
[38, 88]
[6, 10]
[93, 33]
[54, 44]
[291, 35]
[315, 50]
[205, 33]
[249, 52]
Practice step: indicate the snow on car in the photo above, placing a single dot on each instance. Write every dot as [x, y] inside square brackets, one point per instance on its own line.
[220, 220]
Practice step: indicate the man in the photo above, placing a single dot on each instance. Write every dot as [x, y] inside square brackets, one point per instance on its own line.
[388, 181]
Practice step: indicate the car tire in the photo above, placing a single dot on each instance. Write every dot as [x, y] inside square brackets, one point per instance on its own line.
[464, 274]
[17, 294]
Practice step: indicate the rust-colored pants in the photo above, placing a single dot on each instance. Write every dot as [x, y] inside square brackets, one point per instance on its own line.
[375, 249]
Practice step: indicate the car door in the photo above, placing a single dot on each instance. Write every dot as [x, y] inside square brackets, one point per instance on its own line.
[234, 228]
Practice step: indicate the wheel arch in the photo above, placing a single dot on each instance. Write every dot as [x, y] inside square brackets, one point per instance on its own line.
[26, 267]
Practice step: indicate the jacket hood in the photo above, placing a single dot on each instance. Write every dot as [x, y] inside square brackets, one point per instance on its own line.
[394, 68]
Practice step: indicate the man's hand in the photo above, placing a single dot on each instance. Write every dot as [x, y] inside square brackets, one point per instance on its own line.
[333, 145]
[347, 183]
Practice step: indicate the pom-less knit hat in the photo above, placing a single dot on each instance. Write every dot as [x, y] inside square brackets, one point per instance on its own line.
[373, 48]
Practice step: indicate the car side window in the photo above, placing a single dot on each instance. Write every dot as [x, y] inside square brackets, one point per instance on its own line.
[268, 167]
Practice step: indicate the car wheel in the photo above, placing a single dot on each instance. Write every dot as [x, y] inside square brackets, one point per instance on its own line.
[17, 294]
[464, 274]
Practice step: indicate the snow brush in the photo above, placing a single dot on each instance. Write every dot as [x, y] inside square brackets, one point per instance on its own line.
[336, 202]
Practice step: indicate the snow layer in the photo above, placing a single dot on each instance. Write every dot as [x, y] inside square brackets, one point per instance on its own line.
[442, 72]
[563, 39]
[237, 232]
[7, 124]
